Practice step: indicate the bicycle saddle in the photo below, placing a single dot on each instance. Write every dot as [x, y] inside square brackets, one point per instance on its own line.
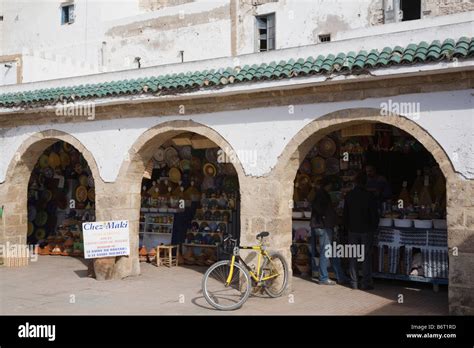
[263, 234]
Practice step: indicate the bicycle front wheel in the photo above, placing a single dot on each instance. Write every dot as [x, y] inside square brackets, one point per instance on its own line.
[221, 295]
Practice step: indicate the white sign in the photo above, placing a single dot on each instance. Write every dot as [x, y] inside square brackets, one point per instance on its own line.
[106, 239]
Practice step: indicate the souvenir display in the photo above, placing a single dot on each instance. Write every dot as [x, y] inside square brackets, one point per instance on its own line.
[61, 176]
[409, 189]
[188, 180]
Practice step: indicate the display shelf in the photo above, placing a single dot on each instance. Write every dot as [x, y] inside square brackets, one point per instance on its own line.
[435, 281]
[199, 245]
[159, 223]
[164, 233]
[207, 221]
[211, 232]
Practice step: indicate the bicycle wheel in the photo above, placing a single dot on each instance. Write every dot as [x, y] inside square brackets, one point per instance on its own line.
[229, 297]
[275, 287]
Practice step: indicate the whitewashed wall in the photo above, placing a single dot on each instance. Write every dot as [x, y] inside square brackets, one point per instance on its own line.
[202, 29]
[447, 116]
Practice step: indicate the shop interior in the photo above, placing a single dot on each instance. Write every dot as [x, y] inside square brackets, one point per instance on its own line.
[190, 199]
[61, 196]
[411, 242]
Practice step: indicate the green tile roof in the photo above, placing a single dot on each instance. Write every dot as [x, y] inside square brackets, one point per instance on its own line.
[342, 63]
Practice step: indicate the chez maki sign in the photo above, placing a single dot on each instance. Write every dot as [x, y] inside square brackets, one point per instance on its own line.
[106, 239]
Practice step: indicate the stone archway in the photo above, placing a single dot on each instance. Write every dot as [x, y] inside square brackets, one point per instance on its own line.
[459, 190]
[13, 192]
[122, 199]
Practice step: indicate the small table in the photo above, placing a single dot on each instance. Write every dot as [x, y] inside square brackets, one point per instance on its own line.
[167, 259]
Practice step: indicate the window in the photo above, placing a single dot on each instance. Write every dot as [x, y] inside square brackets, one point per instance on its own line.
[266, 32]
[411, 9]
[325, 38]
[67, 13]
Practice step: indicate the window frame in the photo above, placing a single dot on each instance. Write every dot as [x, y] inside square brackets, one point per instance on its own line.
[269, 30]
[70, 5]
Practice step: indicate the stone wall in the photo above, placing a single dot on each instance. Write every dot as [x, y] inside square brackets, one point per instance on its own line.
[433, 8]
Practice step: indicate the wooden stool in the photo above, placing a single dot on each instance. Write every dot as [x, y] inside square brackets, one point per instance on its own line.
[167, 259]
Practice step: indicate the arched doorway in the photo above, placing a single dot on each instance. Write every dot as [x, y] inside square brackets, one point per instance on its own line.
[327, 130]
[183, 181]
[44, 205]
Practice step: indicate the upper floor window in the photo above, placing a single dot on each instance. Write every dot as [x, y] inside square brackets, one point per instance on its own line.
[67, 13]
[266, 32]
[411, 9]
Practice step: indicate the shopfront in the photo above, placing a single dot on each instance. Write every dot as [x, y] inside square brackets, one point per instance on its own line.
[410, 192]
[147, 161]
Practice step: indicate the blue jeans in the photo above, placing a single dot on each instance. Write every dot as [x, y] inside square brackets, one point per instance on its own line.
[325, 239]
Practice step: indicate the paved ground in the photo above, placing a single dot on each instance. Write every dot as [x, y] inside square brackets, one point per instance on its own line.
[47, 287]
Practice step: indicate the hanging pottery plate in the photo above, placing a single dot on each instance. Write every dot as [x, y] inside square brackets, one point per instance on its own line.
[54, 160]
[83, 180]
[65, 159]
[91, 194]
[209, 169]
[174, 175]
[185, 165]
[31, 213]
[81, 193]
[195, 164]
[222, 227]
[90, 181]
[207, 215]
[212, 154]
[46, 195]
[213, 226]
[170, 153]
[185, 152]
[41, 218]
[332, 166]
[78, 168]
[31, 229]
[327, 147]
[43, 161]
[202, 226]
[217, 216]
[304, 181]
[159, 155]
[313, 152]
[305, 167]
[48, 172]
[319, 165]
[67, 147]
[40, 233]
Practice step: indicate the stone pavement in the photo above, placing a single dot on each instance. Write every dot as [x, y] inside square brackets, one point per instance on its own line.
[58, 285]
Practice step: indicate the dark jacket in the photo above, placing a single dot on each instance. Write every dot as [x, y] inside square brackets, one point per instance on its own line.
[323, 214]
[360, 211]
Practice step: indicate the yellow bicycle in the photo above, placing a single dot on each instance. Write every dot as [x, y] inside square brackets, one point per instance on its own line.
[227, 284]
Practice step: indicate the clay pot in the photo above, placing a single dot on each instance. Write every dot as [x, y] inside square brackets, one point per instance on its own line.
[143, 254]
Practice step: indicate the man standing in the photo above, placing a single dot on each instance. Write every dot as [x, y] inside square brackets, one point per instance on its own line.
[323, 220]
[361, 220]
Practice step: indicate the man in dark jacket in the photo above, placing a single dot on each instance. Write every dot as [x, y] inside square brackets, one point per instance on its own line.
[361, 221]
[323, 220]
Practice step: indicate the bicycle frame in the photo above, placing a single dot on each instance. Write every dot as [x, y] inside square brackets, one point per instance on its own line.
[258, 275]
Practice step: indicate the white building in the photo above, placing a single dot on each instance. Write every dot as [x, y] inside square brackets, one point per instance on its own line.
[155, 69]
